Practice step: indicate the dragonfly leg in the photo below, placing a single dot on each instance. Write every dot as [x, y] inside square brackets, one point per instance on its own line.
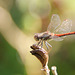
[46, 44]
[41, 43]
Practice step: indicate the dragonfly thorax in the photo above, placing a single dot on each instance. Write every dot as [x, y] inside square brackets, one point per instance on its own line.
[42, 36]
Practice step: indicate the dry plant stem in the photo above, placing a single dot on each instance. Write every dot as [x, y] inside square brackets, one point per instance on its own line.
[54, 70]
[42, 56]
[47, 71]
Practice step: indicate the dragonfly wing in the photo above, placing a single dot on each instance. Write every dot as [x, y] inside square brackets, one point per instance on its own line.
[65, 27]
[57, 38]
[55, 22]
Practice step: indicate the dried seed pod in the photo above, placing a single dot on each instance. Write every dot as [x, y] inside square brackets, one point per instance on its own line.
[34, 46]
[40, 53]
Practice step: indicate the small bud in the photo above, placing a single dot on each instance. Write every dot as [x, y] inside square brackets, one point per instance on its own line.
[54, 70]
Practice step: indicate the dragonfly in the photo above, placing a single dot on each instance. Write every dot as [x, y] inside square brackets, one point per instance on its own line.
[55, 31]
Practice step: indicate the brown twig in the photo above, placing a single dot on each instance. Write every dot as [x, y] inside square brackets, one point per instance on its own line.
[42, 55]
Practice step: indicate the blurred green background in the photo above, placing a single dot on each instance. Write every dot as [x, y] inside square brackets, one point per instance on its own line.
[19, 21]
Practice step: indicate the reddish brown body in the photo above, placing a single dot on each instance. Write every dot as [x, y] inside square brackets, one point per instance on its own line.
[65, 34]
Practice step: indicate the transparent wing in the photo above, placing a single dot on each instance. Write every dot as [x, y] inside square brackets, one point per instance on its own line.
[55, 22]
[57, 38]
[65, 27]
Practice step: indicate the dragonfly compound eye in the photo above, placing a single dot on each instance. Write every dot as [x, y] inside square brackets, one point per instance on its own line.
[36, 37]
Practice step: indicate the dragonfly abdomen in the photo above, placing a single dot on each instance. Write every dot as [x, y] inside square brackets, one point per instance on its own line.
[65, 34]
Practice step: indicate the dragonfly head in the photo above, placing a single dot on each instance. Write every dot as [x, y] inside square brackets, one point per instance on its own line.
[36, 37]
